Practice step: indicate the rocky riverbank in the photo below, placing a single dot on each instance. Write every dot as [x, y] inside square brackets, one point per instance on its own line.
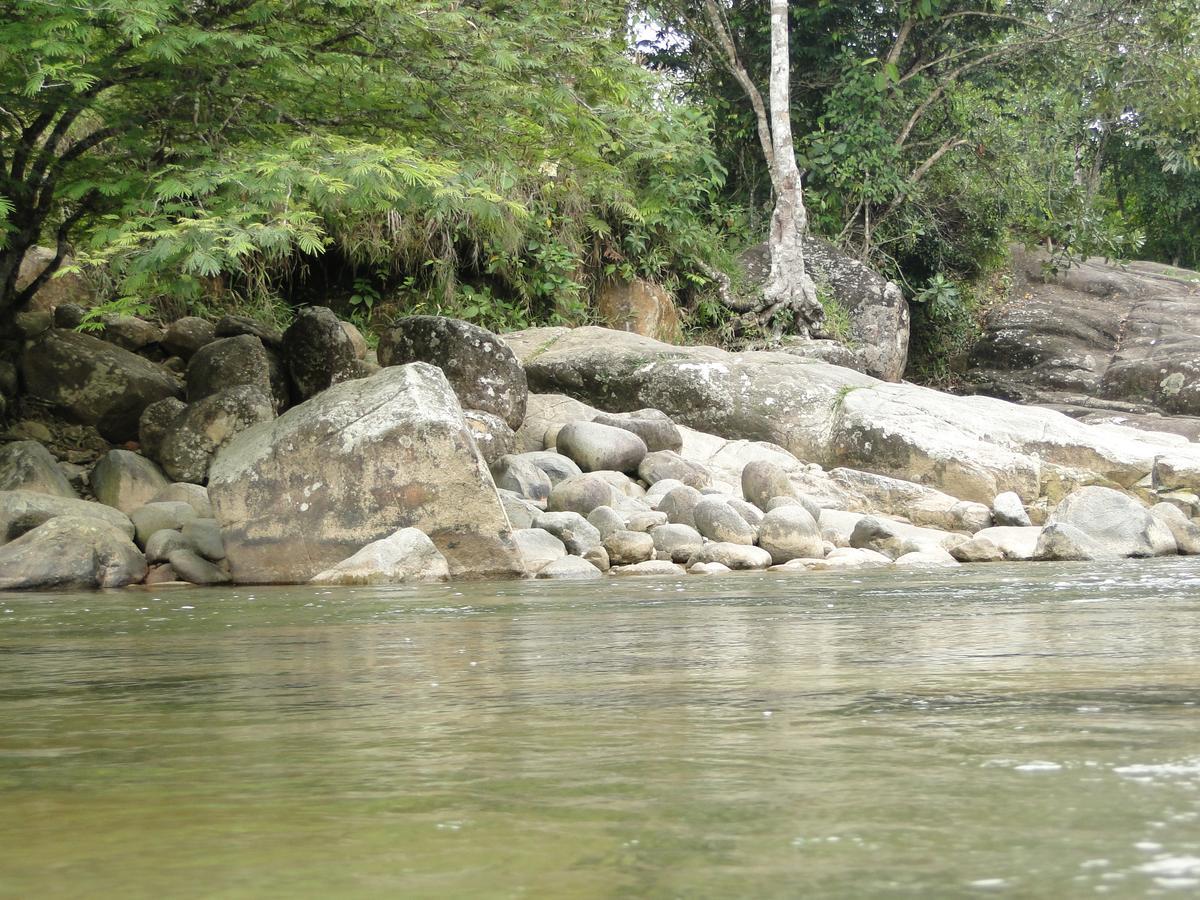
[257, 456]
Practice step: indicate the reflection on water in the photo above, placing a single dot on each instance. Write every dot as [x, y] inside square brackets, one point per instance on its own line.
[1029, 731]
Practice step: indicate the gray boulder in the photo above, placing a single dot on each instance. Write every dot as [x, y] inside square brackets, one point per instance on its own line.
[538, 548]
[318, 352]
[556, 466]
[94, 382]
[71, 552]
[207, 425]
[1014, 542]
[520, 511]
[227, 363]
[194, 495]
[156, 422]
[1061, 542]
[161, 544]
[653, 568]
[598, 557]
[22, 511]
[576, 532]
[595, 447]
[788, 533]
[735, 556]
[880, 535]
[570, 568]
[192, 567]
[185, 336]
[1184, 530]
[517, 473]
[653, 426]
[125, 480]
[663, 464]
[407, 556]
[235, 326]
[204, 535]
[751, 513]
[1007, 509]
[679, 542]
[1120, 525]
[763, 481]
[717, 521]
[492, 435]
[133, 334]
[28, 466]
[606, 520]
[929, 558]
[626, 548]
[680, 505]
[482, 369]
[978, 550]
[581, 494]
[302, 492]
[163, 515]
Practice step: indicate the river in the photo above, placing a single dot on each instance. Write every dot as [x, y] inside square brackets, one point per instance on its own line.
[1018, 730]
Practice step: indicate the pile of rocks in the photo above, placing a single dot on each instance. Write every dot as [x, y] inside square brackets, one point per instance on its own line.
[292, 457]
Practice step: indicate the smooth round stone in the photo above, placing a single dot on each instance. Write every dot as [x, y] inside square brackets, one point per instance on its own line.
[748, 511]
[570, 568]
[651, 567]
[596, 447]
[556, 466]
[735, 556]
[205, 536]
[678, 542]
[644, 521]
[789, 532]
[680, 505]
[762, 480]
[581, 494]
[709, 569]
[717, 521]
[163, 543]
[571, 528]
[651, 425]
[664, 464]
[598, 557]
[628, 547]
[538, 548]
[513, 472]
[190, 566]
[158, 516]
[607, 520]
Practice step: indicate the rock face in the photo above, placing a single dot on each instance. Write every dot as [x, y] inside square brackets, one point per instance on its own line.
[67, 288]
[971, 448]
[318, 351]
[405, 557]
[71, 551]
[1117, 524]
[641, 307]
[482, 369]
[93, 382]
[301, 493]
[28, 466]
[878, 312]
[1130, 346]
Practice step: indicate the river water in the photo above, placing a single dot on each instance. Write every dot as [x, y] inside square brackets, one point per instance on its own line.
[1026, 731]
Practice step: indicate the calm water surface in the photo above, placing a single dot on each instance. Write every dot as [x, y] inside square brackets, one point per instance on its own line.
[1027, 731]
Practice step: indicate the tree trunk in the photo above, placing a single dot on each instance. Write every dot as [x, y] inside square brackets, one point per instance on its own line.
[789, 287]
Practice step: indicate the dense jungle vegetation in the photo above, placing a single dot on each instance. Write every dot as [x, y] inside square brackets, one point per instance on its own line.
[497, 159]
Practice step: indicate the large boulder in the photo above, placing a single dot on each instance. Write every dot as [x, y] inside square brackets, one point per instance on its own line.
[875, 308]
[22, 511]
[318, 351]
[1119, 525]
[1131, 344]
[229, 362]
[125, 480]
[28, 466]
[598, 448]
[641, 307]
[920, 504]
[94, 382]
[480, 366]
[134, 334]
[301, 493]
[789, 532]
[207, 425]
[188, 334]
[58, 289]
[405, 557]
[651, 425]
[71, 552]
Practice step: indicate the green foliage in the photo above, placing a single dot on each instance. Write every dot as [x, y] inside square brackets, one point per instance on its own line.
[838, 324]
[940, 297]
[503, 154]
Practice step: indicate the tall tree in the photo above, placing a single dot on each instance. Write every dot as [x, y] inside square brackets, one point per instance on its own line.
[788, 289]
